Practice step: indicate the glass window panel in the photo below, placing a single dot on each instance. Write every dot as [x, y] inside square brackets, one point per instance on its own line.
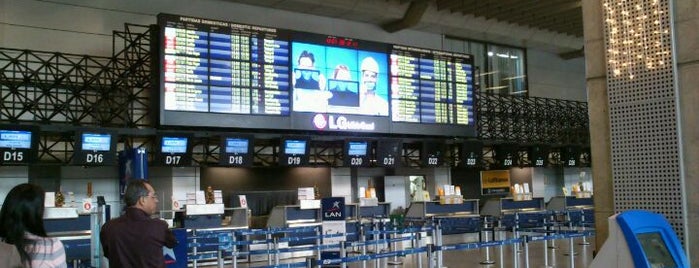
[500, 69]
[506, 72]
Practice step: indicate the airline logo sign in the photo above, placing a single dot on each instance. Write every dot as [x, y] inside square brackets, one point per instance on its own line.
[333, 208]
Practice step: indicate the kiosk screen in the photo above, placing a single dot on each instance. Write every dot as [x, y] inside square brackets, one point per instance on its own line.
[656, 251]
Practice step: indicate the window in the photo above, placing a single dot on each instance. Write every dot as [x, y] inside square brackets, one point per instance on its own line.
[501, 69]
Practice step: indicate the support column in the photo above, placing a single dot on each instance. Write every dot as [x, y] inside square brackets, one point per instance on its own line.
[598, 109]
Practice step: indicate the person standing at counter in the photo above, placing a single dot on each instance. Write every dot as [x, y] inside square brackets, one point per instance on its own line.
[22, 225]
[135, 239]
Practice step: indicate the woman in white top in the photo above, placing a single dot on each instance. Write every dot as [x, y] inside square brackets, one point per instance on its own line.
[22, 225]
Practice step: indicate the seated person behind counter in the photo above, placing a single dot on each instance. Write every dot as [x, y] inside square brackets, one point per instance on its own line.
[135, 239]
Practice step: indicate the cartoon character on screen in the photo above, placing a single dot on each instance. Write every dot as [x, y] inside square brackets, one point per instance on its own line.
[344, 91]
[370, 103]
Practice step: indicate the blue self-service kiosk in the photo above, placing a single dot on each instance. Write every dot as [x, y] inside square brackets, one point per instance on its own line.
[640, 239]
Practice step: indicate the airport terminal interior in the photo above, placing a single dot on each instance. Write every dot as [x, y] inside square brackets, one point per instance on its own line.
[366, 133]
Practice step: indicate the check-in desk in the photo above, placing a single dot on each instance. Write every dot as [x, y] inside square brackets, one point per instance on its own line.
[580, 211]
[290, 216]
[75, 232]
[455, 218]
[517, 213]
[209, 219]
[368, 216]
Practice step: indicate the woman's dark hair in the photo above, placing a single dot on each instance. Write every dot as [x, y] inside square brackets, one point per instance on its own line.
[306, 54]
[135, 190]
[22, 211]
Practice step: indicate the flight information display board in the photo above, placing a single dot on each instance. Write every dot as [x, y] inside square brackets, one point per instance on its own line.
[430, 86]
[221, 67]
[223, 74]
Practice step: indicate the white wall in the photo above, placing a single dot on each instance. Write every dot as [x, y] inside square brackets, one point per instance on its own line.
[341, 184]
[553, 77]
[11, 176]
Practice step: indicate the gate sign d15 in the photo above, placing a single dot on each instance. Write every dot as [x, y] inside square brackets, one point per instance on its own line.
[18, 145]
[95, 148]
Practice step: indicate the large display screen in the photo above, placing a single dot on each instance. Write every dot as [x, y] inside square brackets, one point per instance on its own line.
[96, 142]
[339, 80]
[15, 139]
[224, 74]
[656, 250]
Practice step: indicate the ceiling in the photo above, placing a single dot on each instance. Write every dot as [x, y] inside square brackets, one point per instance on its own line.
[531, 23]
[561, 16]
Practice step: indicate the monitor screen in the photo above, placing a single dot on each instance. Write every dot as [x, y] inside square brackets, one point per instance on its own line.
[237, 145]
[656, 250]
[357, 148]
[96, 142]
[173, 145]
[344, 80]
[294, 147]
[15, 139]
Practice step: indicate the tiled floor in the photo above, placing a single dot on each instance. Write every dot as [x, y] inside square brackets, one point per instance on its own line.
[554, 256]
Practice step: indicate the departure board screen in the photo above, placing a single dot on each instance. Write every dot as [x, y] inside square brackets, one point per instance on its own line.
[429, 86]
[223, 74]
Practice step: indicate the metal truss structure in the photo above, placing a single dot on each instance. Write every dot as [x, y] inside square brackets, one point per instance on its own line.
[62, 93]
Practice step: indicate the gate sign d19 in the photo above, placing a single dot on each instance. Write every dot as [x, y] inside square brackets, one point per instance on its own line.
[294, 151]
[95, 148]
[174, 150]
[18, 145]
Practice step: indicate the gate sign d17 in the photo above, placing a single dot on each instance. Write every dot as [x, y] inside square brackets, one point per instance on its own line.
[174, 150]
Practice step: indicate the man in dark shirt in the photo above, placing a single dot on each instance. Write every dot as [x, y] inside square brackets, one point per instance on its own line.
[135, 239]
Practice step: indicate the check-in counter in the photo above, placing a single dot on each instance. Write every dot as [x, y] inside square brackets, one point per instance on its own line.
[290, 216]
[75, 232]
[528, 213]
[454, 218]
[209, 219]
[580, 210]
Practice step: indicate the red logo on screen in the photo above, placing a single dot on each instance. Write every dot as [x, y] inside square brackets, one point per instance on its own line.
[319, 121]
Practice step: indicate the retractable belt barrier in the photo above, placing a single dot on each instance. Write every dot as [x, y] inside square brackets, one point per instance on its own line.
[223, 243]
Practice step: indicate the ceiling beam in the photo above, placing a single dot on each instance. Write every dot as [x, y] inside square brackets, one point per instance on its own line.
[553, 10]
[412, 16]
[561, 18]
[572, 54]
[507, 8]
[448, 4]
[484, 6]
